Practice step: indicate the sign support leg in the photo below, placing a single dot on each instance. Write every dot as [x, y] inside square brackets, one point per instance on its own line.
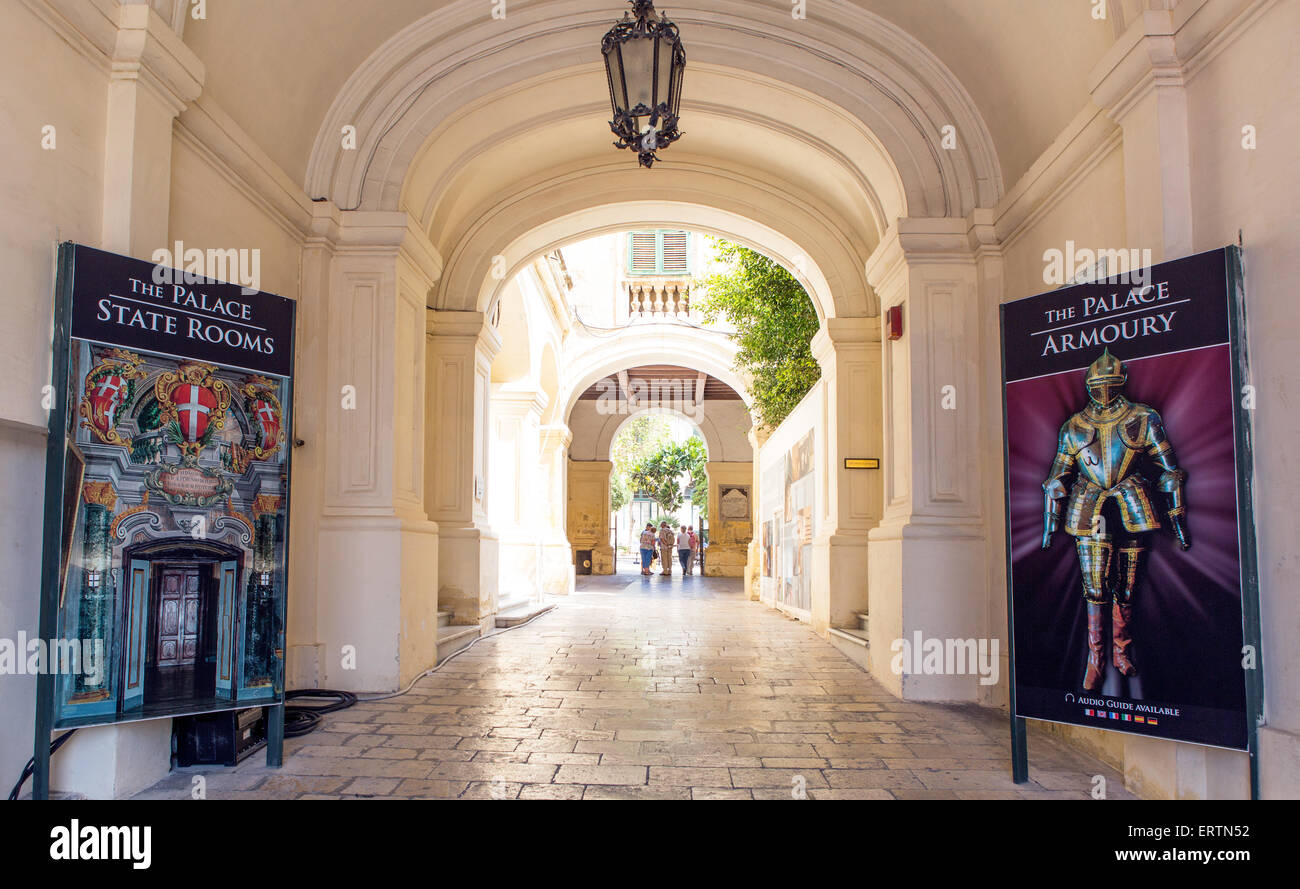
[275, 736]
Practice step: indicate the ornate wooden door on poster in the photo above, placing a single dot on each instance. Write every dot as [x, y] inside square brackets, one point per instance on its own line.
[168, 548]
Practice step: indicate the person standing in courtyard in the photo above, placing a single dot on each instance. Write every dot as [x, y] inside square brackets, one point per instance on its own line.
[667, 540]
[647, 548]
[695, 549]
[684, 549]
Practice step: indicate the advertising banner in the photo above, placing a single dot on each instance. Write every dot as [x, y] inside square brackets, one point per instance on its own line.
[1131, 551]
[170, 435]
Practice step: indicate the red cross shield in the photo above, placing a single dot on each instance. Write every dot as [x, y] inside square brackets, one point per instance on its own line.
[106, 396]
[194, 406]
[269, 420]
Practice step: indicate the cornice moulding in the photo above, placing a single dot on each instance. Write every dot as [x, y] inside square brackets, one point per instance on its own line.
[443, 323]
[1161, 46]
[381, 232]
[144, 43]
[244, 161]
[1085, 141]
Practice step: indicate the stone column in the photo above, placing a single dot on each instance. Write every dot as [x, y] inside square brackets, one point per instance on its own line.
[588, 512]
[848, 350]
[729, 535]
[461, 348]
[557, 555]
[754, 552]
[378, 550]
[517, 489]
[928, 556]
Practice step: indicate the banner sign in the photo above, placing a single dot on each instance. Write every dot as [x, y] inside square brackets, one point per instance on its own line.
[167, 519]
[1131, 555]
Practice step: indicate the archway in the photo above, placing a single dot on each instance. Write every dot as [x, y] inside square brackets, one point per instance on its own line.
[601, 409]
[452, 178]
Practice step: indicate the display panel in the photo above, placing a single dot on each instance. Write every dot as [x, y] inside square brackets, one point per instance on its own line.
[1130, 536]
[173, 527]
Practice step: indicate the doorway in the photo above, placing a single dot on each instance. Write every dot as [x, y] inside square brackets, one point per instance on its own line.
[180, 620]
[181, 662]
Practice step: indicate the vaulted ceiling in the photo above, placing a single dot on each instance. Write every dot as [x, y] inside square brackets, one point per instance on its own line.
[276, 67]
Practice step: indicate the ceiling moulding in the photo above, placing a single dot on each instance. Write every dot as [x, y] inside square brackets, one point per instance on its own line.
[436, 191]
[244, 164]
[631, 348]
[1087, 140]
[1162, 46]
[89, 26]
[394, 96]
[126, 39]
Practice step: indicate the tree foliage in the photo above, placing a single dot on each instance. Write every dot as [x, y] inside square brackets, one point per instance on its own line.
[775, 322]
[666, 474]
[639, 438]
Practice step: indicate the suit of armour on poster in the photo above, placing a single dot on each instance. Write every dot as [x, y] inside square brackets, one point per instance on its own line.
[1123, 445]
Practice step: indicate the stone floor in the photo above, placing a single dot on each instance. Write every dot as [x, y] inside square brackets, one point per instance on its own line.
[654, 688]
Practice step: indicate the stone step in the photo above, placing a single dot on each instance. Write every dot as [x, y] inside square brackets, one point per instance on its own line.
[513, 616]
[452, 639]
[853, 643]
[862, 621]
[444, 618]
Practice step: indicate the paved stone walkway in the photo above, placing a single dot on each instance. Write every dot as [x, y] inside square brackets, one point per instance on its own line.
[654, 689]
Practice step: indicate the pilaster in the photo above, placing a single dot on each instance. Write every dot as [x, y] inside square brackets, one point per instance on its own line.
[153, 77]
[588, 512]
[518, 489]
[1141, 85]
[378, 549]
[557, 555]
[928, 556]
[458, 394]
[729, 534]
[848, 350]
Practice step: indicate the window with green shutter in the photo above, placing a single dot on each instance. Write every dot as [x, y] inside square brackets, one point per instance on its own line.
[659, 253]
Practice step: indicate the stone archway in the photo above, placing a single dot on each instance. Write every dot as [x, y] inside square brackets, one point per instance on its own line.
[723, 423]
[451, 193]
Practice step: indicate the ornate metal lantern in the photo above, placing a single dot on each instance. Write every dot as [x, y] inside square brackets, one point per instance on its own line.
[644, 60]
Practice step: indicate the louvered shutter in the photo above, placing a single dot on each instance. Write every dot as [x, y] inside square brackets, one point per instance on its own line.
[641, 253]
[674, 253]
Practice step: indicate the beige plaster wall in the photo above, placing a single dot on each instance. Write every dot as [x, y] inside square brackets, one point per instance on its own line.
[48, 196]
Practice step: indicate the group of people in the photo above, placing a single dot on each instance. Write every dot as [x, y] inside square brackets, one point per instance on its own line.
[665, 540]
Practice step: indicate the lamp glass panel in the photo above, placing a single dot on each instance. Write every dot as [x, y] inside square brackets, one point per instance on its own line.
[665, 78]
[615, 85]
[638, 69]
[617, 79]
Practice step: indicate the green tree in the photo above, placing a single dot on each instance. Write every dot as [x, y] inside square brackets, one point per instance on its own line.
[661, 474]
[775, 322]
[639, 438]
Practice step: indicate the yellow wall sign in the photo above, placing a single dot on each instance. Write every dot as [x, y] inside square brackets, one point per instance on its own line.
[861, 463]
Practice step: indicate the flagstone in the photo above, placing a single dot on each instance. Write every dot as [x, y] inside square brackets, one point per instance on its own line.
[650, 693]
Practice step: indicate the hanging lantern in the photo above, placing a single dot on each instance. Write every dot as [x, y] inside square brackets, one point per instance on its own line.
[644, 61]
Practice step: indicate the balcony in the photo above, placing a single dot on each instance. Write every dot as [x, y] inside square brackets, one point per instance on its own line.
[659, 299]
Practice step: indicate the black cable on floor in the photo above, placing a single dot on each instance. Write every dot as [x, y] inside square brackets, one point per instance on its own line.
[300, 719]
[31, 763]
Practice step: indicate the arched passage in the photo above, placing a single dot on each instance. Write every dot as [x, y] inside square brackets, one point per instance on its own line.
[819, 150]
[600, 409]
